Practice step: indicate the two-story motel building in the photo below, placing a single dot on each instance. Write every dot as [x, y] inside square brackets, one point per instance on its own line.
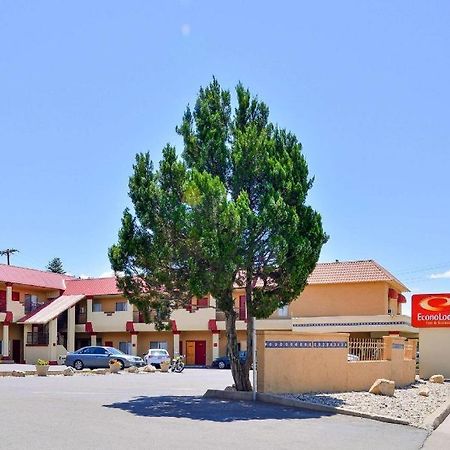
[44, 315]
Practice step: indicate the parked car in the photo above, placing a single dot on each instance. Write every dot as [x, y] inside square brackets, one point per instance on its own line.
[156, 356]
[223, 362]
[95, 357]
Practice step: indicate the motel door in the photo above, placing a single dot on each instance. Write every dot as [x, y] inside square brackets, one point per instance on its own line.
[2, 301]
[200, 353]
[196, 353]
[190, 353]
[16, 351]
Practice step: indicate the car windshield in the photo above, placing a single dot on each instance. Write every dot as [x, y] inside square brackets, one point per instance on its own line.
[158, 352]
[114, 351]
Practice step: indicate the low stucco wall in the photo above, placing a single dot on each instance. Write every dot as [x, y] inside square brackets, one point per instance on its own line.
[33, 353]
[305, 362]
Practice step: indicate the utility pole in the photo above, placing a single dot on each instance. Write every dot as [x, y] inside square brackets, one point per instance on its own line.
[8, 252]
[254, 359]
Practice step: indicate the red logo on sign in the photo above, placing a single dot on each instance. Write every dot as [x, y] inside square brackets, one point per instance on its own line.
[430, 310]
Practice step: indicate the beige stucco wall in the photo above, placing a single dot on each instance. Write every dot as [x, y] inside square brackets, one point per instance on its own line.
[33, 353]
[434, 352]
[349, 299]
[326, 369]
[143, 341]
[17, 307]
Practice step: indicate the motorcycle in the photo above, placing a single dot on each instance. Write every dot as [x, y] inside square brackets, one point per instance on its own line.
[177, 364]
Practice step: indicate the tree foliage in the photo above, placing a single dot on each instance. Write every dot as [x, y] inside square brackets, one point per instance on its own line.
[55, 265]
[231, 213]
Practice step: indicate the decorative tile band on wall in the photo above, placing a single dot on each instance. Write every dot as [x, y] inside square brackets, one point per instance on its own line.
[398, 346]
[305, 344]
[348, 324]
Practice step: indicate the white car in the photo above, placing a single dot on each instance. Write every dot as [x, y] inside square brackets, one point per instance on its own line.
[156, 356]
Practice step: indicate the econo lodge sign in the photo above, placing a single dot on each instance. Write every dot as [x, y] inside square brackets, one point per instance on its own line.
[430, 310]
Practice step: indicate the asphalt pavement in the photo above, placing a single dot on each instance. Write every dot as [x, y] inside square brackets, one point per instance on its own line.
[166, 410]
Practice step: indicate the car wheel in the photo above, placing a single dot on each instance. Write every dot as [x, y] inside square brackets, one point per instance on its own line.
[122, 364]
[221, 365]
[78, 364]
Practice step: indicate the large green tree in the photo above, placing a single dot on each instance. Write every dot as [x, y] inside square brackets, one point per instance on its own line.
[231, 213]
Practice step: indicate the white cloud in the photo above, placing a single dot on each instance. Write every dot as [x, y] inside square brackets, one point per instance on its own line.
[440, 275]
[107, 274]
[185, 29]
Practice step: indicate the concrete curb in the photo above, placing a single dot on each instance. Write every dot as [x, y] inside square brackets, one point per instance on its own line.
[276, 400]
[433, 420]
[30, 372]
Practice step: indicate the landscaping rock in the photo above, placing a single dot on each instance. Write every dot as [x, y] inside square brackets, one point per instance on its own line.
[69, 372]
[424, 391]
[149, 369]
[406, 404]
[18, 373]
[437, 379]
[100, 371]
[383, 387]
[132, 369]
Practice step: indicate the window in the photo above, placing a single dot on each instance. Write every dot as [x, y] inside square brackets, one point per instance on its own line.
[31, 303]
[121, 306]
[158, 345]
[125, 347]
[97, 307]
[100, 351]
[98, 341]
[284, 311]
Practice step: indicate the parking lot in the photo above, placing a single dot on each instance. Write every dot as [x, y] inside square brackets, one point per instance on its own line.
[166, 409]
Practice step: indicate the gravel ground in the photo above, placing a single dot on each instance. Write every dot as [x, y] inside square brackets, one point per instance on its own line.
[406, 403]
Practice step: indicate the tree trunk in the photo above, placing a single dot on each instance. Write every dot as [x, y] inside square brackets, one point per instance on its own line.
[239, 370]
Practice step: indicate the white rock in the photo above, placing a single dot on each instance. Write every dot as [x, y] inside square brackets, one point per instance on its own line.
[132, 369]
[18, 373]
[69, 372]
[437, 379]
[149, 369]
[383, 387]
[99, 371]
[424, 391]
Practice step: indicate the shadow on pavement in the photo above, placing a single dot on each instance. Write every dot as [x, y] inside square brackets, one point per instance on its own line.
[199, 408]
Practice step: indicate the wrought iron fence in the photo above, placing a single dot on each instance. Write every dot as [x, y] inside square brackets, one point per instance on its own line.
[366, 349]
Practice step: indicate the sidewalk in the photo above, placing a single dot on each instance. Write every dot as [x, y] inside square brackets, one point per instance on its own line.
[440, 438]
[27, 368]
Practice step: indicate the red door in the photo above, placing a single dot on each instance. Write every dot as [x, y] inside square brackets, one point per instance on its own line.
[2, 301]
[200, 353]
[242, 308]
[16, 351]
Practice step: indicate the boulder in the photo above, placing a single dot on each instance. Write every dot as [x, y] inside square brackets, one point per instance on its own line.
[149, 369]
[165, 366]
[99, 371]
[383, 387]
[424, 391]
[18, 373]
[132, 369]
[437, 379]
[69, 372]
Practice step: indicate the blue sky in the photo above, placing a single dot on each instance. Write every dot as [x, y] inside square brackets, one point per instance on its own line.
[365, 86]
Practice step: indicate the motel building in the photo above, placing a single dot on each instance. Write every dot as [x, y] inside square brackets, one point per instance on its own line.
[45, 315]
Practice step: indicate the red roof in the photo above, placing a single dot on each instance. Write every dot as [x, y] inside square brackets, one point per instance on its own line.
[351, 272]
[32, 277]
[92, 286]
